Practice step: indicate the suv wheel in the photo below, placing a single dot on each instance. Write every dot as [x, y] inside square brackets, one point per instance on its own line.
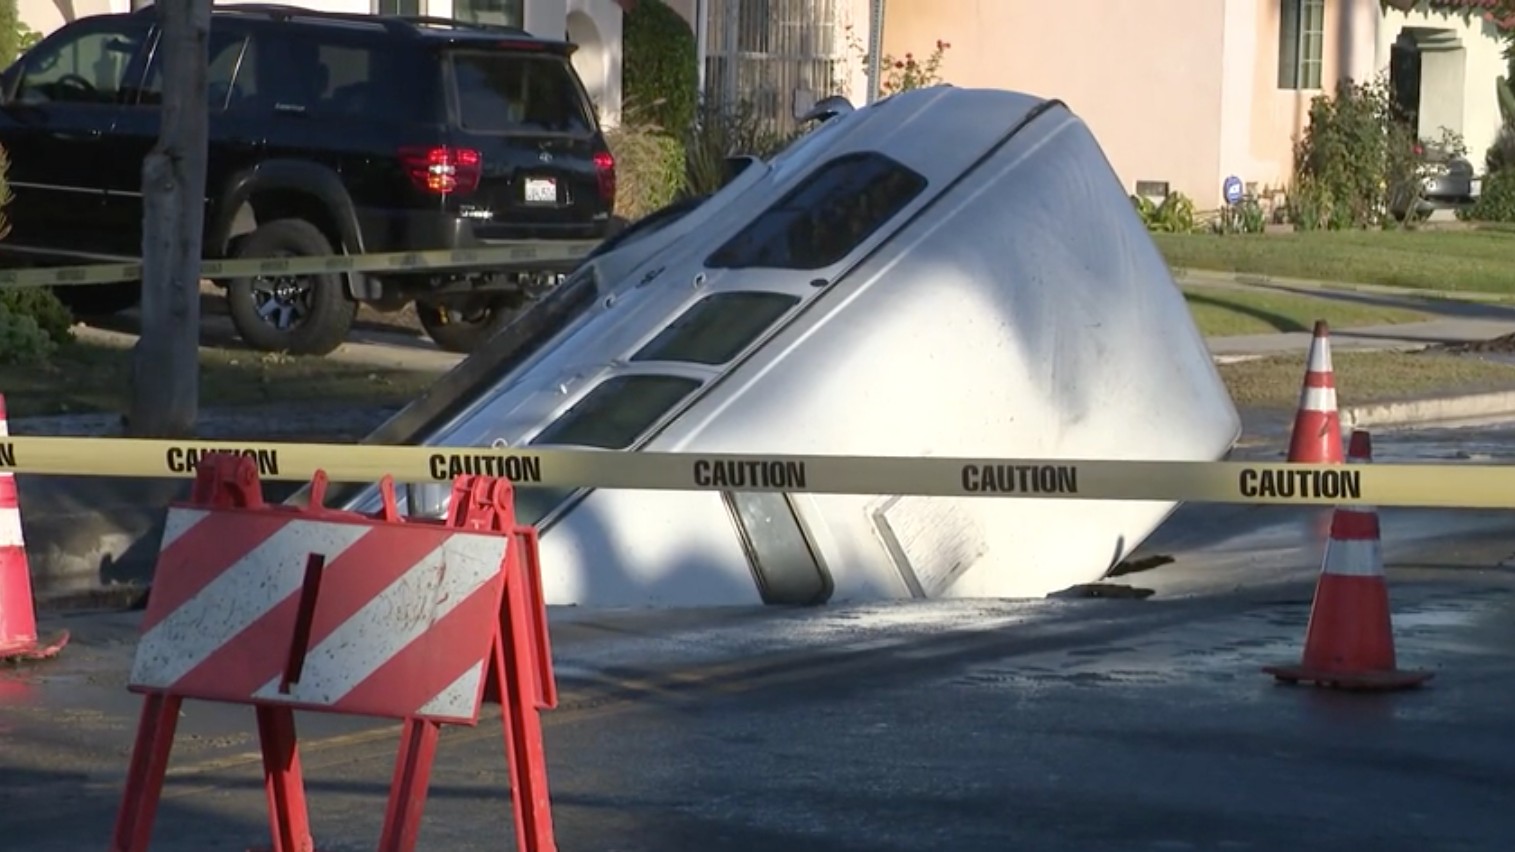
[464, 328]
[299, 314]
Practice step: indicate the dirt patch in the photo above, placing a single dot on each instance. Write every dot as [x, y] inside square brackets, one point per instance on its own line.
[1497, 346]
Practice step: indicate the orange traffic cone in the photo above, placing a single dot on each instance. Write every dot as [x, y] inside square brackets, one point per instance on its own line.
[1349, 642]
[1317, 424]
[18, 616]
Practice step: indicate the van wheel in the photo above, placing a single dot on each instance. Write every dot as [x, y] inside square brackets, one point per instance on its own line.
[298, 314]
[463, 329]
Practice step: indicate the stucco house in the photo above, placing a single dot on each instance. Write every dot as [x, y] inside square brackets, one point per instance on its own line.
[1184, 93]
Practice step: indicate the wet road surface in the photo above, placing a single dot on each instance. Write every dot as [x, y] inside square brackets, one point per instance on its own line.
[1061, 724]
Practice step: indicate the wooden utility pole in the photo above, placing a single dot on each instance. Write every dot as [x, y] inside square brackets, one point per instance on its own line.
[166, 360]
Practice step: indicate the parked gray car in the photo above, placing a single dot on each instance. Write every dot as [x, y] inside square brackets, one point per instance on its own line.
[1448, 183]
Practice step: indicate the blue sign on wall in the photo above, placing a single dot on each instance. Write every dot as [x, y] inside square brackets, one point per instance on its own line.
[1233, 189]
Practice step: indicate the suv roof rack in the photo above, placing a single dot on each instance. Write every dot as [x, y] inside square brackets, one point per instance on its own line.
[395, 23]
[433, 21]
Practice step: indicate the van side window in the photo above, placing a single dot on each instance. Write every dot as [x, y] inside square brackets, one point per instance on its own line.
[829, 214]
[717, 328]
[612, 417]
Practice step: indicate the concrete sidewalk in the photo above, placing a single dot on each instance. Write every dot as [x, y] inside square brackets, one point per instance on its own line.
[1456, 319]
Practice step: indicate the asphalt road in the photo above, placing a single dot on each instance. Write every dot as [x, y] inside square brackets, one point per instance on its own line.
[1059, 724]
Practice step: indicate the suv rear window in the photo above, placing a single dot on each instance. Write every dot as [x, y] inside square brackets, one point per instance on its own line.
[499, 92]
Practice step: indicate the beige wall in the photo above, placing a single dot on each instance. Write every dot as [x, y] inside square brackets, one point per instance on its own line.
[1145, 76]
[1278, 116]
[45, 16]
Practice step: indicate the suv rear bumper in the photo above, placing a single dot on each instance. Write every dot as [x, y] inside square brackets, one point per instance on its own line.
[389, 231]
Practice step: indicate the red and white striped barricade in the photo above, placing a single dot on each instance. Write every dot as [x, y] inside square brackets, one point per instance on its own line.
[287, 608]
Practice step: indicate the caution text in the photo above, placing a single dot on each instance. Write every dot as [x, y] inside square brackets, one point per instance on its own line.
[1301, 484]
[512, 467]
[755, 475]
[1020, 479]
[187, 459]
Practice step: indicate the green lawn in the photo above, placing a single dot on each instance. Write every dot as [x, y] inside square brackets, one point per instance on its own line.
[1220, 311]
[1481, 260]
[1365, 377]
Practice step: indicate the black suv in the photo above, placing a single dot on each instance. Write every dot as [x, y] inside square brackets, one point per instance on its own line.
[329, 134]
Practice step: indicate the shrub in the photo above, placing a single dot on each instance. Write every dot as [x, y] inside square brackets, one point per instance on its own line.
[649, 170]
[50, 314]
[36, 306]
[1497, 201]
[902, 74]
[659, 68]
[1175, 215]
[1355, 156]
[1502, 152]
[721, 131]
[15, 35]
[22, 340]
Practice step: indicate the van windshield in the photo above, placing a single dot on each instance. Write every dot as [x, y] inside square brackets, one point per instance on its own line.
[500, 92]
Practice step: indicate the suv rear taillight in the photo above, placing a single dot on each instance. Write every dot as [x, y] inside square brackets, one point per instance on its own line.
[443, 170]
[604, 169]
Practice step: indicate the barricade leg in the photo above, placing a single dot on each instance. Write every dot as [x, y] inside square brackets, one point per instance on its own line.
[523, 730]
[288, 820]
[144, 779]
[407, 793]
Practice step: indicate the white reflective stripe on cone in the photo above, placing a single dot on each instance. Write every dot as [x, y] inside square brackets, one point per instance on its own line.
[1320, 357]
[1354, 557]
[1319, 399]
[10, 528]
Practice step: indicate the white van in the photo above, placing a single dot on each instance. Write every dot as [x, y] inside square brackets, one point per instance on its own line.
[948, 272]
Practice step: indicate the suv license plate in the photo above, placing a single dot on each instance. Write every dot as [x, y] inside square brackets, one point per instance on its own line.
[541, 191]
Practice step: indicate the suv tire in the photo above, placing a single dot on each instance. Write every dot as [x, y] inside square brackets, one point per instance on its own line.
[456, 329]
[307, 314]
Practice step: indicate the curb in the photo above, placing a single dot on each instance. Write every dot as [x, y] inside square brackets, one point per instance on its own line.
[1462, 409]
[1203, 277]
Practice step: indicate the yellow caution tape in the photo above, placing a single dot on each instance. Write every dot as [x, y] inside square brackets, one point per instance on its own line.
[1424, 485]
[525, 255]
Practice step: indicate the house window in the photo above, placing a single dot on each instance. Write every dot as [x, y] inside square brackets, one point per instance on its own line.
[1301, 43]
[505, 13]
[766, 57]
[408, 8]
[821, 221]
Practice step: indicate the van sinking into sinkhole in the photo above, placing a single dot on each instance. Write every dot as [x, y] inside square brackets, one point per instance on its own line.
[946, 272]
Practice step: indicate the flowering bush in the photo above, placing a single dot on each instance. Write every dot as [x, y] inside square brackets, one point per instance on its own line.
[901, 74]
[909, 73]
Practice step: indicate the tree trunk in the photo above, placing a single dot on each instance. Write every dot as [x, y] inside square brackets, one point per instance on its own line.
[165, 366]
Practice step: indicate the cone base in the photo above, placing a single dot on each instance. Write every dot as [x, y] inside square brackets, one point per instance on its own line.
[1380, 680]
[34, 650]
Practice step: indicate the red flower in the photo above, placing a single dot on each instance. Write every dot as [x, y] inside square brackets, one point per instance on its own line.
[899, 65]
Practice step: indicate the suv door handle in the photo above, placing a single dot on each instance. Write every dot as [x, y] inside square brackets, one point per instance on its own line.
[76, 135]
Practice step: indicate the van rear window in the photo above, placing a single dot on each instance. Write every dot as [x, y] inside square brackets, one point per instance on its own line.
[499, 92]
